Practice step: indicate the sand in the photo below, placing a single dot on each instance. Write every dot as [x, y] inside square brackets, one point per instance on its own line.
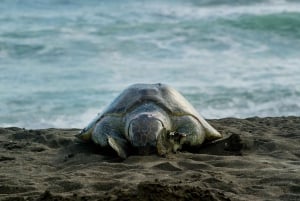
[260, 161]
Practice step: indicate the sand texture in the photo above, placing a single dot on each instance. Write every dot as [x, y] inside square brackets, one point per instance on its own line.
[260, 161]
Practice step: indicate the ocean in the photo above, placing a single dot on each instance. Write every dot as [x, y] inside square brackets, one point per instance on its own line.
[64, 61]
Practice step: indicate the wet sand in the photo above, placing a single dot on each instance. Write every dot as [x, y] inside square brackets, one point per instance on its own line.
[260, 161]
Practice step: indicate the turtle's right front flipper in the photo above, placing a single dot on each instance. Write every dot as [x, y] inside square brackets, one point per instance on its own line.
[119, 145]
[107, 134]
[86, 133]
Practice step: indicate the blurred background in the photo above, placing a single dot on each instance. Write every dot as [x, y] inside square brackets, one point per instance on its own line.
[63, 61]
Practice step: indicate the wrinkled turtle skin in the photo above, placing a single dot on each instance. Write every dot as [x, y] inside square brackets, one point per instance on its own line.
[147, 117]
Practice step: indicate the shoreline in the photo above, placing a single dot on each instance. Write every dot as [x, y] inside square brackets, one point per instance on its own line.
[49, 164]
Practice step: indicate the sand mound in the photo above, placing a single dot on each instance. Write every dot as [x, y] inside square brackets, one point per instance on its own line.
[260, 161]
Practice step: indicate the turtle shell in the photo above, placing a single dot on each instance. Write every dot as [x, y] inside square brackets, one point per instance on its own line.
[165, 96]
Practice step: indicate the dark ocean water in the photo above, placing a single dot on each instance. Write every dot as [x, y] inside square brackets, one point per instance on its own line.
[63, 61]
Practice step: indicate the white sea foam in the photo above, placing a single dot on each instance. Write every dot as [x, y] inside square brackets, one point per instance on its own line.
[194, 12]
[79, 120]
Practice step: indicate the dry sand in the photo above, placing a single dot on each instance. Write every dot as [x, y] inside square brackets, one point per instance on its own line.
[260, 161]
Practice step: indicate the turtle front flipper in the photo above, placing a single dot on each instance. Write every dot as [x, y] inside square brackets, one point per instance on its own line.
[107, 134]
[85, 134]
[119, 145]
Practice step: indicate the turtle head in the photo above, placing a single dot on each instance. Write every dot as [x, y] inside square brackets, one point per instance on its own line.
[144, 129]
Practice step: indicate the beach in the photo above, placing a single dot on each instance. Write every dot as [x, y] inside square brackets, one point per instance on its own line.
[259, 160]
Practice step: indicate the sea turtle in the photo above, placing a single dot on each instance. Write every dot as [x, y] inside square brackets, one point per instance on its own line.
[147, 117]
